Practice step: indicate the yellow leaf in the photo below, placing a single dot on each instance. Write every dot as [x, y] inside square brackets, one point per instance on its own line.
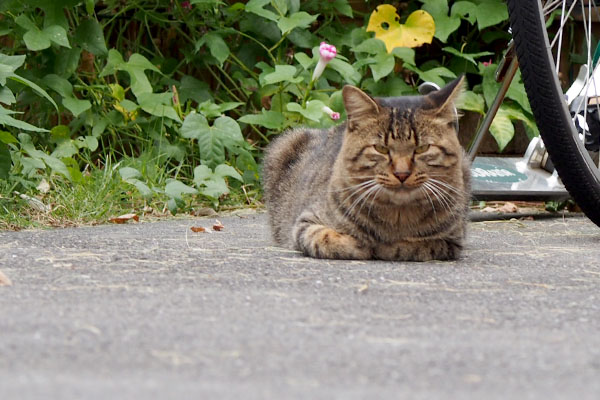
[418, 29]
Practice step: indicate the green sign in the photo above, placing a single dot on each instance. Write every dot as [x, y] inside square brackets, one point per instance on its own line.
[495, 173]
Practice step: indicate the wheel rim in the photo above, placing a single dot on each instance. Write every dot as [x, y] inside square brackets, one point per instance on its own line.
[571, 30]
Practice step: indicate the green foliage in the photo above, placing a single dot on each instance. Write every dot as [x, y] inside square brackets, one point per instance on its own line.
[182, 96]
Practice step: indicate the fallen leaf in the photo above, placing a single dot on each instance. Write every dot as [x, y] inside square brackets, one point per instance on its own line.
[488, 209]
[148, 210]
[44, 186]
[418, 29]
[198, 229]
[218, 226]
[508, 207]
[121, 219]
[4, 281]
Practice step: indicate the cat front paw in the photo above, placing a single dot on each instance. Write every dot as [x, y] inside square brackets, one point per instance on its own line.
[320, 241]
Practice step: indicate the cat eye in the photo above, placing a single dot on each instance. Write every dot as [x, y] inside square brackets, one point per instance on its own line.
[422, 149]
[381, 149]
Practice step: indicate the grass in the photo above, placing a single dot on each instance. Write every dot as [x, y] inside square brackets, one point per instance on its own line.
[99, 196]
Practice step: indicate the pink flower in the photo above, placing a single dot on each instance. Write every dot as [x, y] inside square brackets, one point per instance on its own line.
[334, 115]
[327, 53]
[487, 63]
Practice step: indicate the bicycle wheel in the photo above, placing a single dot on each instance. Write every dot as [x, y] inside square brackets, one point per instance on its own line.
[546, 35]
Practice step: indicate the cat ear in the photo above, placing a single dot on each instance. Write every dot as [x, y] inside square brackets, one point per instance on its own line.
[443, 101]
[357, 103]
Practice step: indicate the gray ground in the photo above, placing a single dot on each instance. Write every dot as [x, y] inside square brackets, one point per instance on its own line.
[154, 310]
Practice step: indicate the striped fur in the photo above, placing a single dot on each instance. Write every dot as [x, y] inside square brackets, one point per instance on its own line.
[391, 183]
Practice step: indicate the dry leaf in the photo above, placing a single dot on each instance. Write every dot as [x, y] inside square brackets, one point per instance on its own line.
[218, 226]
[44, 186]
[4, 281]
[418, 29]
[121, 219]
[198, 229]
[147, 210]
[508, 207]
[488, 209]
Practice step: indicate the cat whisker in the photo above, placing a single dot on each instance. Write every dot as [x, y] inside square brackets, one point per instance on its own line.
[424, 189]
[443, 197]
[360, 199]
[448, 186]
[359, 185]
[366, 200]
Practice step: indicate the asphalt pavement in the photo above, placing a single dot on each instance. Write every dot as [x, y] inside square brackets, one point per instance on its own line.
[156, 311]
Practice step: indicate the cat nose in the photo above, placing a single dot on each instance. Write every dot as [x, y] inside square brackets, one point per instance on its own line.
[402, 175]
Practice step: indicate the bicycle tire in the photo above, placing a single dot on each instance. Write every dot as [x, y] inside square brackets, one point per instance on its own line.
[574, 166]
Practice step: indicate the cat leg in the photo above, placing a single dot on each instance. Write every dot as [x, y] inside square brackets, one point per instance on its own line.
[320, 241]
[420, 250]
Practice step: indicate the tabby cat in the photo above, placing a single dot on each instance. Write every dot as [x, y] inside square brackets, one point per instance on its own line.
[391, 183]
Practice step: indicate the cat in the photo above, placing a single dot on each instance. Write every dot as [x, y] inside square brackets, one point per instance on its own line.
[391, 183]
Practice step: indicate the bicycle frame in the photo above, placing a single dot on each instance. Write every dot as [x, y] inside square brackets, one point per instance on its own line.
[531, 177]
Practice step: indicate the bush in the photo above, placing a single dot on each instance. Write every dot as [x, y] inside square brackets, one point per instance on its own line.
[182, 96]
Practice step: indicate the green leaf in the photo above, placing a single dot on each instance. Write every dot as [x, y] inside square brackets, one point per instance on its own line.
[175, 189]
[158, 104]
[8, 66]
[76, 106]
[282, 73]
[346, 70]
[53, 163]
[7, 138]
[211, 110]
[471, 101]
[144, 190]
[445, 25]
[304, 60]
[502, 128]
[406, 54]
[60, 132]
[211, 183]
[194, 89]
[89, 35]
[256, 7]
[7, 120]
[201, 174]
[217, 46]
[297, 20]
[35, 88]
[313, 110]
[517, 92]
[57, 34]
[212, 140]
[224, 170]
[465, 10]
[268, 119]
[435, 75]
[135, 67]
[65, 149]
[129, 173]
[215, 188]
[5, 161]
[491, 12]
[469, 57]
[489, 84]
[24, 22]
[371, 46]
[36, 40]
[384, 64]
[7, 96]
[65, 89]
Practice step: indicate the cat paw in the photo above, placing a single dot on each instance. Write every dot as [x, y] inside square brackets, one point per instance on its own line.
[323, 242]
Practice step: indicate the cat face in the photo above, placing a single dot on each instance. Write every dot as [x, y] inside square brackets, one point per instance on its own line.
[407, 146]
